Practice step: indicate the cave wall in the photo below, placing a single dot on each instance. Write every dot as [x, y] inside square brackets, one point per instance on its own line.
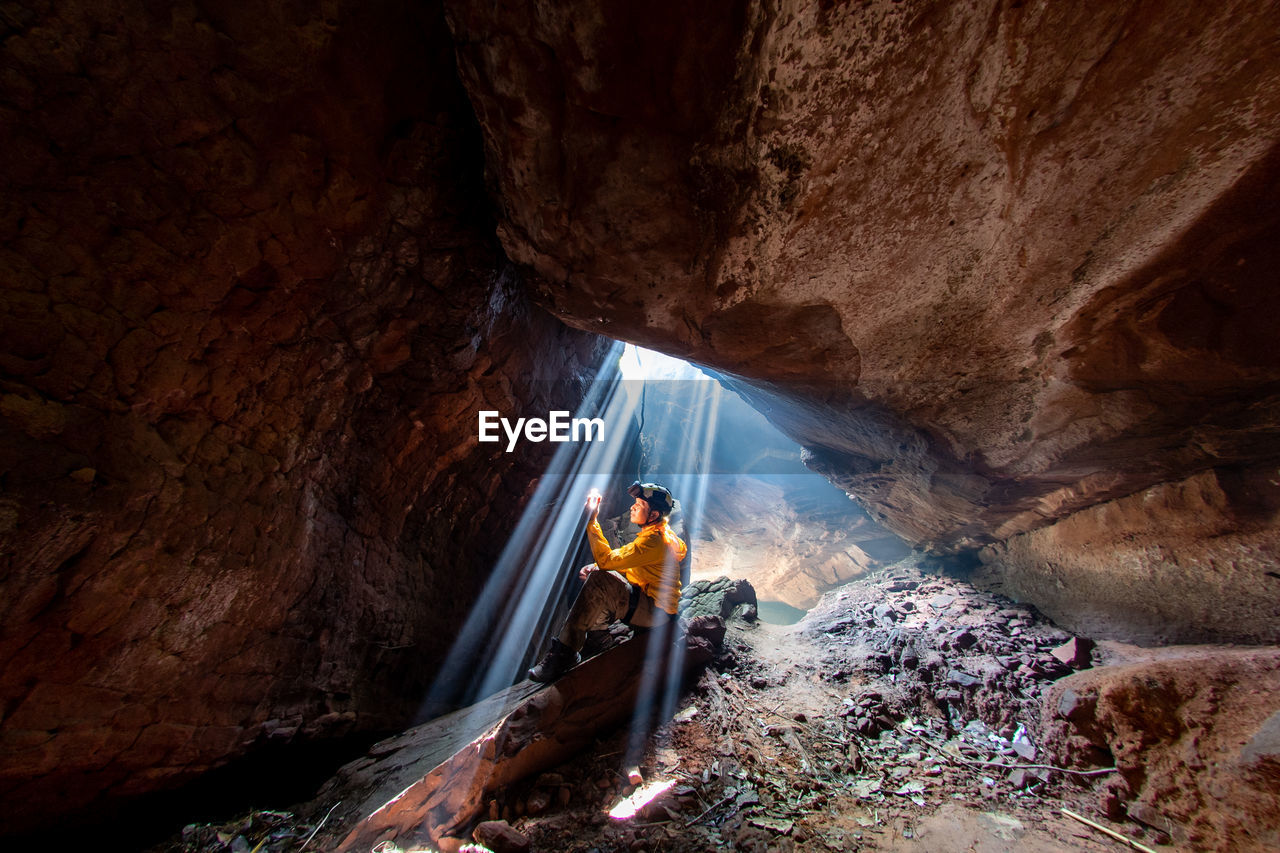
[1181, 562]
[251, 304]
[1005, 269]
[992, 264]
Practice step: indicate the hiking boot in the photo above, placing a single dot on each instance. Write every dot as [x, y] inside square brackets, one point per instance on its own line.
[559, 660]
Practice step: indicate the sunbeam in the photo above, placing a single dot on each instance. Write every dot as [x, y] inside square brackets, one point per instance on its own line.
[512, 612]
[515, 612]
[522, 604]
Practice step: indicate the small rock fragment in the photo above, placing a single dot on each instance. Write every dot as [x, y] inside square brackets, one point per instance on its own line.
[1264, 747]
[539, 801]
[778, 825]
[500, 837]
[884, 612]
[1075, 652]
[1074, 707]
[685, 715]
[1022, 778]
[1145, 814]
[1022, 745]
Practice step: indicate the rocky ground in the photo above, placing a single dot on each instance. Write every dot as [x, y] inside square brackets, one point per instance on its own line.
[894, 716]
[902, 713]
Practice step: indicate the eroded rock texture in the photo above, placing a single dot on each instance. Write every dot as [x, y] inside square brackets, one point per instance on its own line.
[997, 266]
[1156, 566]
[1192, 733]
[251, 306]
[991, 263]
[792, 537]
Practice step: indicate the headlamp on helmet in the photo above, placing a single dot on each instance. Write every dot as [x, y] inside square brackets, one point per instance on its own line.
[657, 497]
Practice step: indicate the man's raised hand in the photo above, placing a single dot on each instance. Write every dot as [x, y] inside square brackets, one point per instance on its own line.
[586, 570]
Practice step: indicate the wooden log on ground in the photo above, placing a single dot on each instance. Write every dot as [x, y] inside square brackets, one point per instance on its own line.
[526, 729]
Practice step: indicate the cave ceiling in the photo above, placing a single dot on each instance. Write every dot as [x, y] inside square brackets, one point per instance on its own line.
[1002, 261]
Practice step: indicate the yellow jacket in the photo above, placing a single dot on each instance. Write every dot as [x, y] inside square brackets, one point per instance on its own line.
[652, 561]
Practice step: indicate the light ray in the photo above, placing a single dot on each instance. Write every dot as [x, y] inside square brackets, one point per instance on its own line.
[631, 806]
[522, 601]
[531, 576]
[687, 473]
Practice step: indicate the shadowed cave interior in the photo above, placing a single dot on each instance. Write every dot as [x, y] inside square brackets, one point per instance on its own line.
[987, 292]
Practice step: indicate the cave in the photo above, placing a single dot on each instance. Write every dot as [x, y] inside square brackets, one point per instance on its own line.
[986, 291]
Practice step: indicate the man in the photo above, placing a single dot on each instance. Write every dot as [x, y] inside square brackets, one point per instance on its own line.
[638, 583]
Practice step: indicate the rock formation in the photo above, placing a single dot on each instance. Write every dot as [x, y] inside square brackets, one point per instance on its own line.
[251, 306]
[1005, 270]
[1192, 732]
[992, 264]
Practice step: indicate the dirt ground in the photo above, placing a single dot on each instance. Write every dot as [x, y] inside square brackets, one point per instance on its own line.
[900, 714]
[807, 737]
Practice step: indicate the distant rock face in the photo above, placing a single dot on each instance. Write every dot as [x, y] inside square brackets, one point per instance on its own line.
[791, 546]
[992, 264]
[753, 510]
[251, 306]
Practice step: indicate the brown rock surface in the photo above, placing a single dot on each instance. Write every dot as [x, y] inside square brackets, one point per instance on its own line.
[251, 305]
[1180, 562]
[1183, 727]
[995, 265]
[1003, 261]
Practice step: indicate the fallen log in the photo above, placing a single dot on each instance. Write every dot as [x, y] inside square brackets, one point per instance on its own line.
[523, 730]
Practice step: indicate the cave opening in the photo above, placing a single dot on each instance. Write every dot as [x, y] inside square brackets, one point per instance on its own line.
[745, 504]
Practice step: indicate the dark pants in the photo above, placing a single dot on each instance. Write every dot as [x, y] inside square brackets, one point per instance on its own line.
[605, 598]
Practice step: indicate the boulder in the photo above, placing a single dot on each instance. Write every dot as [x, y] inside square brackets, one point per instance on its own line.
[1189, 730]
[500, 837]
[717, 597]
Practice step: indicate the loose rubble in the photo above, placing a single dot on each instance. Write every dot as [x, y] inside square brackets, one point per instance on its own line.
[896, 696]
[903, 710]
[937, 649]
[258, 831]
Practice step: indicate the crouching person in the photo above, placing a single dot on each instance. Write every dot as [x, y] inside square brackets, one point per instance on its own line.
[638, 584]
